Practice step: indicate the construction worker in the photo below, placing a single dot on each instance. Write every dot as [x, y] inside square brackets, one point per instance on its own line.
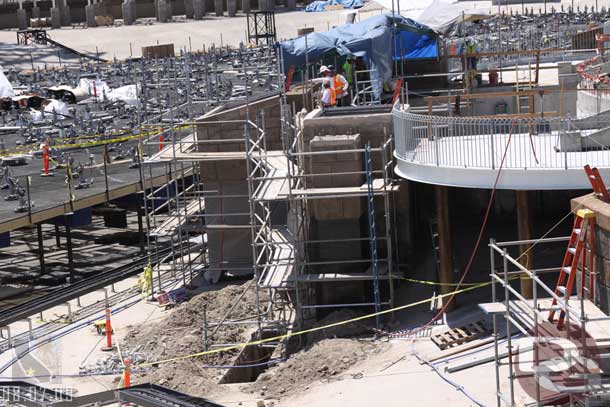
[348, 71]
[469, 50]
[340, 85]
[145, 281]
[329, 98]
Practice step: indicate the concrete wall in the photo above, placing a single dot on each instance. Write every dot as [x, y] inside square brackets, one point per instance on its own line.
[145, 9]
[225, 182]
[8, 15]
[373, 128]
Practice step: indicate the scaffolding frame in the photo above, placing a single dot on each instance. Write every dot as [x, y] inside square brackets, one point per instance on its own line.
[185, 202]
[520, 312]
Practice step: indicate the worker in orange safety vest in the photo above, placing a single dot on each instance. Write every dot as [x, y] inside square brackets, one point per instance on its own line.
[339, 83]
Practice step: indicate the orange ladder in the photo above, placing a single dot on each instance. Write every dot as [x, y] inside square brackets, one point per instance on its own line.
[599, 188]
[582, 234]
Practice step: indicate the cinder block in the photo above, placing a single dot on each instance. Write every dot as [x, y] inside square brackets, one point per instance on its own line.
[227, 202]
[337, 209]
[224, 170]
[337, 251]
[230, 248]
[353, 208]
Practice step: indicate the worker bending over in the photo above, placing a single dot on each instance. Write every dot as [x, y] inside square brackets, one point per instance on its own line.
[329, 98]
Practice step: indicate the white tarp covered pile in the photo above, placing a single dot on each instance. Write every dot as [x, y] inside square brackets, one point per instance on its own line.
[437, 14]
[59, 107]
[94, 87]
[127, 94]
[6, 89]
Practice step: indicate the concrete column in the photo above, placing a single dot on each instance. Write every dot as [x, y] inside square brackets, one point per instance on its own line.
[198, 9]
[22, 19]
[232, 7]
[35, 12]
[524, 225]
[218, 7]
[245, 6]
[56, 17]
[291, 4]
[406, 223]
[164, 11]
[90, 15]
[188, 9]
[40, 248]
[129, 12]
[66, 17]
[445, 243]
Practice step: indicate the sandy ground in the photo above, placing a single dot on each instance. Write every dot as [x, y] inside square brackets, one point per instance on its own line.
[119, 42]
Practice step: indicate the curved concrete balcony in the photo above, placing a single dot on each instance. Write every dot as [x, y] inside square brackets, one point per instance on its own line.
[467, 152]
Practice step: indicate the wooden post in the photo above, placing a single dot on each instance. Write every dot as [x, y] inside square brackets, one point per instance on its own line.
[524, 225]
[444, 242]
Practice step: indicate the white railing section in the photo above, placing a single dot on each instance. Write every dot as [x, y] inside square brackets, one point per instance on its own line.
[481, 142]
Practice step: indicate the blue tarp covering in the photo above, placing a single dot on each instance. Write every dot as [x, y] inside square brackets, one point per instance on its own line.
[371, 38]
[321, 4]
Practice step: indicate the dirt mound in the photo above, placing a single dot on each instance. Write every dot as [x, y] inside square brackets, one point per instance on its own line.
[325, 360]
[181, 333]
[340, 331]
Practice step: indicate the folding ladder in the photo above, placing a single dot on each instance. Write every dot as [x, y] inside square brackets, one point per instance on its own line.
[581, 236]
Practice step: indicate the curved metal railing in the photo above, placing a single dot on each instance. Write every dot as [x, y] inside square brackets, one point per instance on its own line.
[480, 142]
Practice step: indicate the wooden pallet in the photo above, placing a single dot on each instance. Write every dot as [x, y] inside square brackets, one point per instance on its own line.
[458, 336]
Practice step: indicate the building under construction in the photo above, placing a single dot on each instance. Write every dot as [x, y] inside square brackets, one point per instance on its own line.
[189, 220]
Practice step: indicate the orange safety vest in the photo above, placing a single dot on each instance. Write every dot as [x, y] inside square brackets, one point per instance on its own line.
[338, 85]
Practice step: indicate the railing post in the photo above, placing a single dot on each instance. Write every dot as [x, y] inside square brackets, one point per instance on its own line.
[435, 142]
[491, 142]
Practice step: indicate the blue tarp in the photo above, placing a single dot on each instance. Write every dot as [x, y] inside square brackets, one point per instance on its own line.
[372, 39]
[320, 5]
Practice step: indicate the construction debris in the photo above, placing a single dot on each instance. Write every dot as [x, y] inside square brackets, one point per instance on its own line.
[323, 361]
[181, 333]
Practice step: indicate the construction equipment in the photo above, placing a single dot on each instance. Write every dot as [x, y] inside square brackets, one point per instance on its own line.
[599, 188]
[581, 236]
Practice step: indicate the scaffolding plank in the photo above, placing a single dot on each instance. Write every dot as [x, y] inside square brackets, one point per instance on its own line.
[378, 186]
[521, 311]
[169, 226]
[278, 272]
[325, 277]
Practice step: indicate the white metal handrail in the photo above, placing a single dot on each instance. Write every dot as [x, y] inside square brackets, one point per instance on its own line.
[480, 142]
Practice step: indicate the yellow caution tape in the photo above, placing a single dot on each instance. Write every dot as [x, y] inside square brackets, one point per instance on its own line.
[17, 150]
[306, 331]
[435, 283]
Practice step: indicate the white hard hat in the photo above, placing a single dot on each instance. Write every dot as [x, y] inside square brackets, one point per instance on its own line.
[323, 69]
